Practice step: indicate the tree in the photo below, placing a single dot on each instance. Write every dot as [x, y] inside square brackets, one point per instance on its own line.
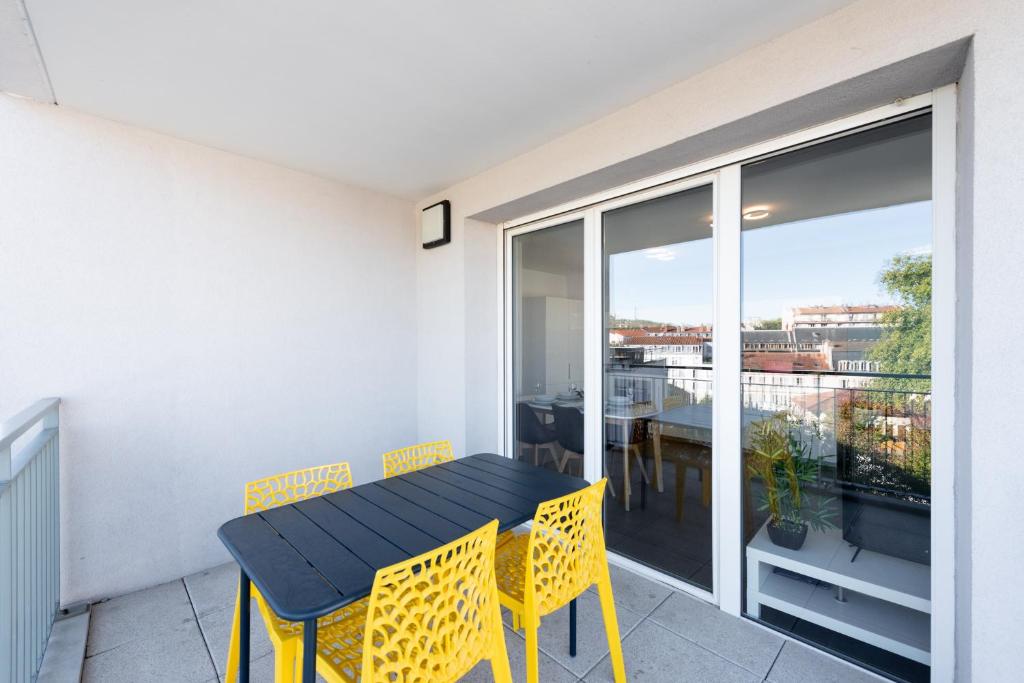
[906, 349]
[769, 324]
[906, 343]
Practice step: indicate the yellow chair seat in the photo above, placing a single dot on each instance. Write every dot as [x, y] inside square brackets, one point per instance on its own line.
[293, 629]
[340, 643]
[510, 568]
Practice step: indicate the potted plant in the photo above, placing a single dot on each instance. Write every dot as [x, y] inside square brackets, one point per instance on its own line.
[785, 466]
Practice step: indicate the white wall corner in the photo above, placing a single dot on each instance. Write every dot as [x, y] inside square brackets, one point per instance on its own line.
[22, 69]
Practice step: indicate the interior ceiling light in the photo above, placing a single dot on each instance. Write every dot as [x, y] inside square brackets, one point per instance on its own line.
[756, 213]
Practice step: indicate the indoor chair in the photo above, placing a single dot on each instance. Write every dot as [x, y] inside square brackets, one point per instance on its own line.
[561, 557]
[428, 619]
[262, 494]
[412, 458]
[569, 431]
[530, 431]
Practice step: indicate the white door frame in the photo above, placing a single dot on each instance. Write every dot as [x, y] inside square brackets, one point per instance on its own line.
[724, 170]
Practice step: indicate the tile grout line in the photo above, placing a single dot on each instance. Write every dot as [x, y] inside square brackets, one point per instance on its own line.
[777, 655]
[622, 637]
[202, 633]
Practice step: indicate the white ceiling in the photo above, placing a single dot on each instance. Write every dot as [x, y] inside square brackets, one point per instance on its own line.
[406, 97]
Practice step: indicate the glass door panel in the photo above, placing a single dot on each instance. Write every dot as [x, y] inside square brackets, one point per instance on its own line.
[547, 347]
[836, 391]
[658, 295]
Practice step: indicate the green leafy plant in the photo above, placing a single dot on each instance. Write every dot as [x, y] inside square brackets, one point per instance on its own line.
[785, 465]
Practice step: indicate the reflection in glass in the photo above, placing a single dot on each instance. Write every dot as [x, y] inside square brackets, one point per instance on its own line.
[836, 311]
[658, 293]
[547, 346]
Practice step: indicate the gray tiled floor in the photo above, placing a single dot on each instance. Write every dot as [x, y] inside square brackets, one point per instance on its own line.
[179, 632]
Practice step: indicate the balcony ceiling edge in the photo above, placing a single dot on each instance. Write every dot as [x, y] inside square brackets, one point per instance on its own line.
[905, 78]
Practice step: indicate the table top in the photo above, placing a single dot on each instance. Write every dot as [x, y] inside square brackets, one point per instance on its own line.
[312, 557]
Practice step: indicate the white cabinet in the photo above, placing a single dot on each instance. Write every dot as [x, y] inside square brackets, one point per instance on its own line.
[552, 344]
[886, 600]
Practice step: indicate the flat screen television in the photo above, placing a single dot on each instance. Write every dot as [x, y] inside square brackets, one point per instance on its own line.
[884, 508]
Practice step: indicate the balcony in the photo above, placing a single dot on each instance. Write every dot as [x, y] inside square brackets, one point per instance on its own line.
[756, 264]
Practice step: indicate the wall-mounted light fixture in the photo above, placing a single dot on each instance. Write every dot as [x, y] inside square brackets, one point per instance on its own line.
[436, 225]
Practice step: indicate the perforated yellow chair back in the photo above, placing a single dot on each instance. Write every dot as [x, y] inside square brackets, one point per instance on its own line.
[567, 547]
[430, 618]
[291, 487]
[417, 457]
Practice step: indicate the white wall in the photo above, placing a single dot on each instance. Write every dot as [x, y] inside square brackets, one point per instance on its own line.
[207, 319]
[854, 41]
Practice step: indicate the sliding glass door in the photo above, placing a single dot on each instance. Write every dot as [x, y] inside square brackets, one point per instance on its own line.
[658, 260]
[758, 355]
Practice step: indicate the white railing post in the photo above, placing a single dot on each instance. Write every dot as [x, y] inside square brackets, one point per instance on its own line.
[29, 537]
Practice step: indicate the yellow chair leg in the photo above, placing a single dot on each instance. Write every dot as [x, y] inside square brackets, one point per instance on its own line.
[611, 626]
[500, 669]
[532, 663]
[284, 662]
[231, 674]
[516, 625]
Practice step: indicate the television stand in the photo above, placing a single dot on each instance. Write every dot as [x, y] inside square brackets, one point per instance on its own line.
[885, 601]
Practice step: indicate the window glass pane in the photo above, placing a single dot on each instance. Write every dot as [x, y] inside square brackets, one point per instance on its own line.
[658, 293]
[547, 346]
[836, 391]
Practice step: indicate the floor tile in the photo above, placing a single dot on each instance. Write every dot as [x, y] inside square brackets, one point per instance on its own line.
[213, 589]
[177, 655]
[146, 613]
[653, 653]
[740, 642]
[797, 663]
[634, 592]
[549, 669]
[216, 628]
[591, 642]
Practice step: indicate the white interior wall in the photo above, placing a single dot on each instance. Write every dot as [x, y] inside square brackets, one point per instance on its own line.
[207, 320]
[856, 40]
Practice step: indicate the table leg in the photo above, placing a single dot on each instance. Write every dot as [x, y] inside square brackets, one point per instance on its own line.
[243, 627]
[657, 457]
[309, 651]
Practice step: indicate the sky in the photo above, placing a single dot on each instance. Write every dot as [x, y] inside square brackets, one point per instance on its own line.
[827, 261]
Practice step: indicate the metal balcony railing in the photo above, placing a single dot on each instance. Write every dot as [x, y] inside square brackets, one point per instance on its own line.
[29, 538]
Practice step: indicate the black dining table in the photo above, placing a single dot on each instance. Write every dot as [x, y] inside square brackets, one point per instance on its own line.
[315, 556]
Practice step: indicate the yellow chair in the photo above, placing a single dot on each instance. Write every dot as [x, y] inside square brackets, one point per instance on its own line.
[561, 557]
[416, 457]
[429, 619]
[262, 494]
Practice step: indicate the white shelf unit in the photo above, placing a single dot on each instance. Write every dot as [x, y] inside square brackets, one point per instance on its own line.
[887, 599]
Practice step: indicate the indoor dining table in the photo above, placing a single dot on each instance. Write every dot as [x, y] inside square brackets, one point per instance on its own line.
[315, 556]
